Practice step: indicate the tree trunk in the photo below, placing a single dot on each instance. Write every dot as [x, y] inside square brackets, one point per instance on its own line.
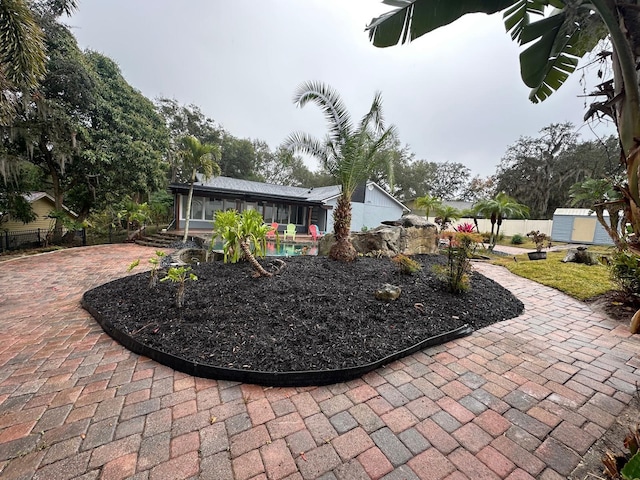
[260, 271]
[188, 213]
[612, 230]
[491, 237]
[58, 202]
[342, 250]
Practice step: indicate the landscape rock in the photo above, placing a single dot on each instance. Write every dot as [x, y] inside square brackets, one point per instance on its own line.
[390, 240]
[388, 292]
[580, 255]
[410, 220]
[385, 240]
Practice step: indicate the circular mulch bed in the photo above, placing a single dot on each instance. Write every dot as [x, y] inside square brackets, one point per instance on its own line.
[317, 322]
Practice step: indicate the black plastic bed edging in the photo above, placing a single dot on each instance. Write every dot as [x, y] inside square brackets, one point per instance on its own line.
[273, 379]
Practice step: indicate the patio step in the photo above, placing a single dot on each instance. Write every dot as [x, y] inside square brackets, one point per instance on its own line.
[159, 240]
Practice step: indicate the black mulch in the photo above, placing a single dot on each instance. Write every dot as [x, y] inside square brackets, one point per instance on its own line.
[317, 314]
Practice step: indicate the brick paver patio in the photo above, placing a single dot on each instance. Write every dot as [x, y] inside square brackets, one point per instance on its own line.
[518, 400]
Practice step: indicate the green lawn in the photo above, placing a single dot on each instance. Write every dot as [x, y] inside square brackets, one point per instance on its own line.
[576, 280]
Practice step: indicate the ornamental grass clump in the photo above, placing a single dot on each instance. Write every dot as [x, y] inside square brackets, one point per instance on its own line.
[461, 248]
[407, 265]
[180, 275]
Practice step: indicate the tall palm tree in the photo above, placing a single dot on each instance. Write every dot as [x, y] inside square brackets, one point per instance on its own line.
[347, 152]
[554, 35]
[497, 209]
[428, 203]
[195, 157]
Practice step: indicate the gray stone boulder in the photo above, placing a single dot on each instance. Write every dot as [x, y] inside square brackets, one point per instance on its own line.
[384, 240]
[580, 255]
[389, 240]
[408, 221]
[388, 292]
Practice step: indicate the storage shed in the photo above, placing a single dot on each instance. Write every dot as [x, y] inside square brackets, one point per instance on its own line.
[579, 225]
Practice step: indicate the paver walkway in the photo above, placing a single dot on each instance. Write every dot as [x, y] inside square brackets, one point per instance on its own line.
[521, 399]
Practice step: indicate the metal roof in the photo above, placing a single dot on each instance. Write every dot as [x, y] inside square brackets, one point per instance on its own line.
[577, 212]
[238, 186]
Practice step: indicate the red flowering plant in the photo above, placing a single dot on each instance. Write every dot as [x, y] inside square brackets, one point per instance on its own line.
[465, 227]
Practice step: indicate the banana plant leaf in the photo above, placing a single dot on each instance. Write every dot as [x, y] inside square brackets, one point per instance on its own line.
[414, 18]
[631, 471]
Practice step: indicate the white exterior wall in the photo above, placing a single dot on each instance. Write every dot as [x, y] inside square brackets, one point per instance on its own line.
[332, 203]
[510, 227]
[377, 207]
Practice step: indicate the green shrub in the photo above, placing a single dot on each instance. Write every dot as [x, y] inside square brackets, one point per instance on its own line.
[455, 274]
[625, 272]
[517, 239]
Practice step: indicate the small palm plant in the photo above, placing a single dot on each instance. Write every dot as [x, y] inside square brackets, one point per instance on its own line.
[497, 209]
[445, 214]
[156, 263]
[180, 275]
[428, 203]
[244, 235]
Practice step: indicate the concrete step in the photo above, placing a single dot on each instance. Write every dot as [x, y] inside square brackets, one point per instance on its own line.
[159, 239]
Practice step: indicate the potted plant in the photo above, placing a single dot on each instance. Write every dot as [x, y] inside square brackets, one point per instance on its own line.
[539, 239]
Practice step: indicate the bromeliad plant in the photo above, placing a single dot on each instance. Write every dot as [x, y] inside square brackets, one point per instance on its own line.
[455, 274]
[465, 227]
[244, 235]
[180, 275]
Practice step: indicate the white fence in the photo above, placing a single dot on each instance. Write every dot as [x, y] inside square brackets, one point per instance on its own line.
[510, 227]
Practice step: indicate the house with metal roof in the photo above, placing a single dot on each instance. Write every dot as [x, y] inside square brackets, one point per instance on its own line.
[283, 204]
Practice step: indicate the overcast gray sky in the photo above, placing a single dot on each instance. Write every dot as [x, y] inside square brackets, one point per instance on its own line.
[454, 95]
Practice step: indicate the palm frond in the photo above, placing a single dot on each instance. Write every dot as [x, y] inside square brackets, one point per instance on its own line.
[22, 48]
[304, 143]
[329, 102]
[374, 116]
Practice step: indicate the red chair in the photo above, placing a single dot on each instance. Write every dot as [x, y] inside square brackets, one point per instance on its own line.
[274, 228]
[315, 233]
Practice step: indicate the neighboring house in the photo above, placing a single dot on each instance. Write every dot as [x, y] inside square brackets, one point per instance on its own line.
[283, 204]
[42, 204]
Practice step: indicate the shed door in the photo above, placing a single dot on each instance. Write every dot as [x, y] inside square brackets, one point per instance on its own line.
[584, 229]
